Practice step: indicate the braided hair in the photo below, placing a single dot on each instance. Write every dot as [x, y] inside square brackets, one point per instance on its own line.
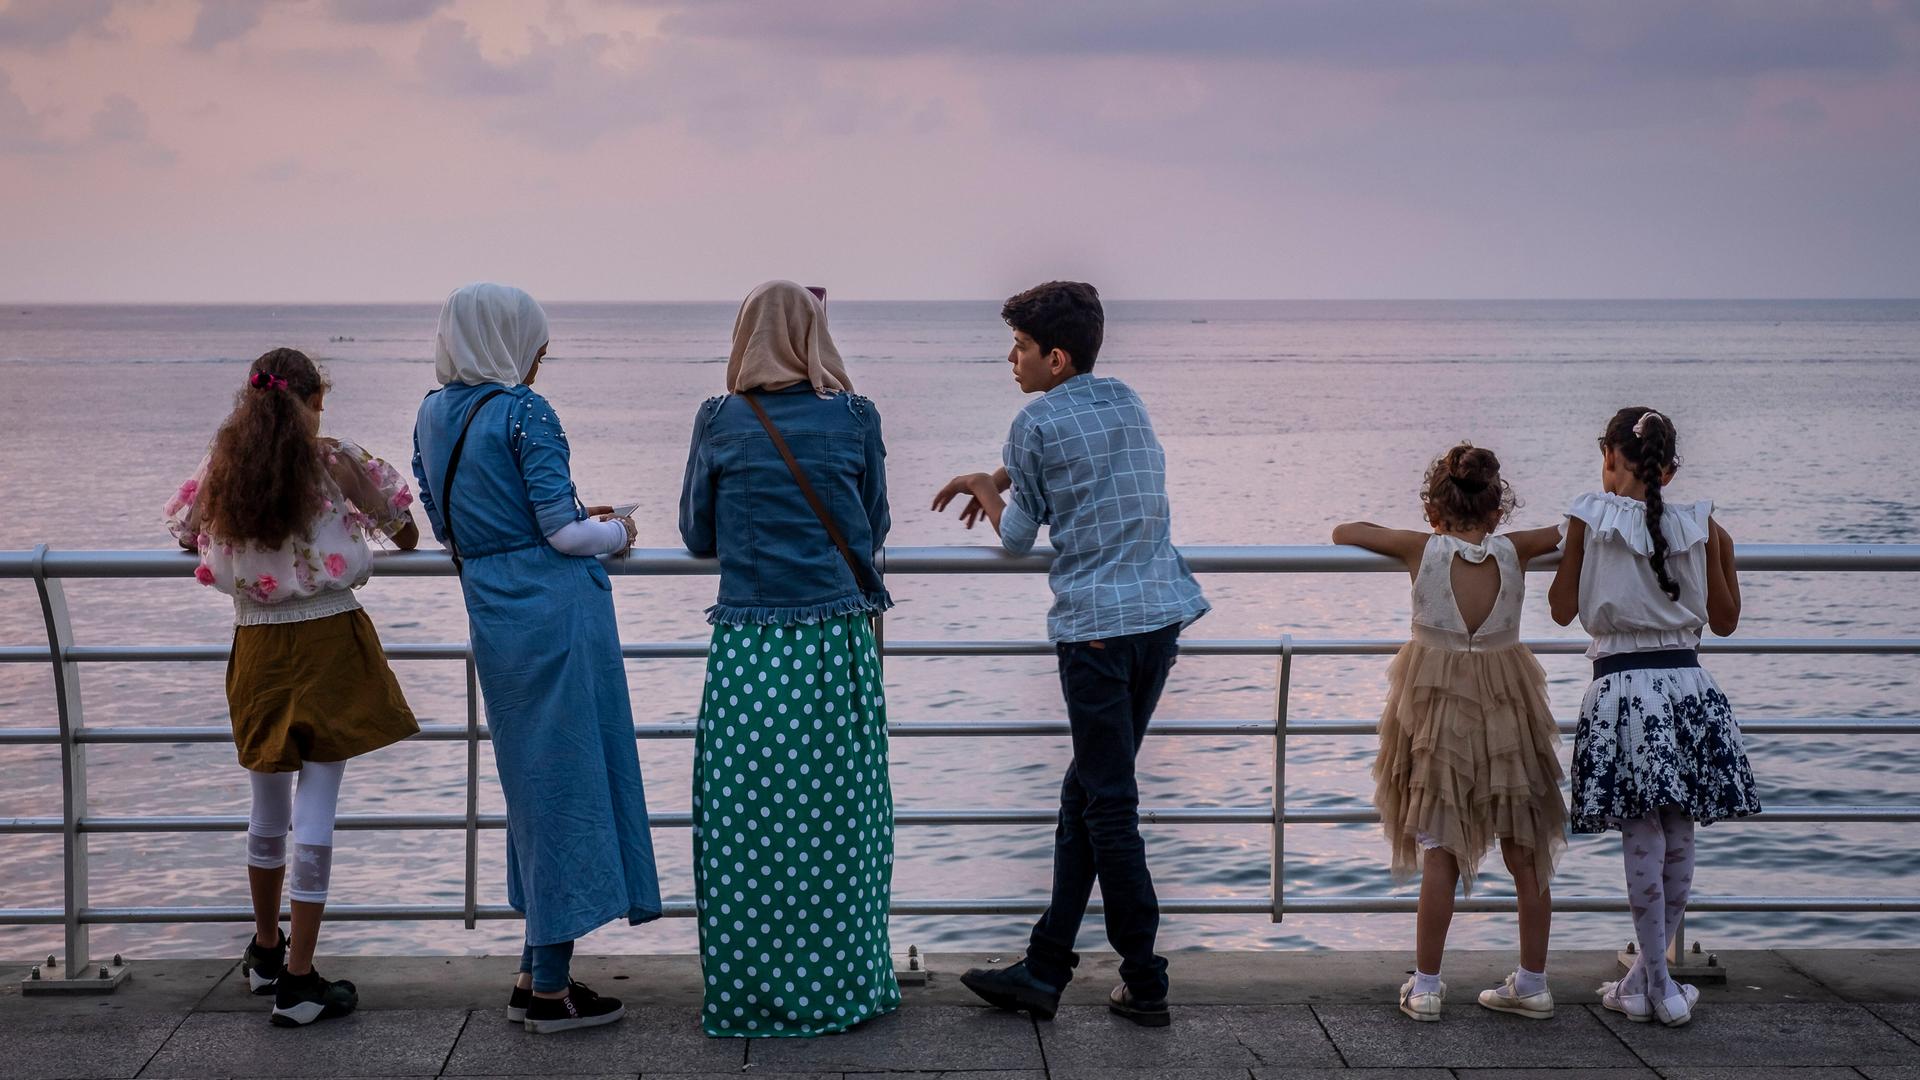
[264, 481]
[1647, 441]
[1464, 490]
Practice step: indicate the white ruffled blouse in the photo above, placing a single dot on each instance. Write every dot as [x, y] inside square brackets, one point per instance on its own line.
[312, 575]
[1621, 603]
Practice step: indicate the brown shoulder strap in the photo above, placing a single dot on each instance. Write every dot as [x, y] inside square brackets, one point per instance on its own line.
[806, 489]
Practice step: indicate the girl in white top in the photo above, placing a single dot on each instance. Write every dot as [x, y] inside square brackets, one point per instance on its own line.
[1468, 747]
[1657, 748]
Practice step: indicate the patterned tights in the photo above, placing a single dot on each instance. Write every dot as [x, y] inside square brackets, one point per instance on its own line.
[1658, 850]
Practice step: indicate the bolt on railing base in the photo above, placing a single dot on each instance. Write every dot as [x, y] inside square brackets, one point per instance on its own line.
[911, 969]
[1698, 966]
[50, 978]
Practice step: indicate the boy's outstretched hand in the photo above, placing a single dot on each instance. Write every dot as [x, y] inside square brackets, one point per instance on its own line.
[983, 491]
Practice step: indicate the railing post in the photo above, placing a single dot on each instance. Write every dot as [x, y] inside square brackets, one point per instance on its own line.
[473, 789]
[73, 793]
[1277, 867]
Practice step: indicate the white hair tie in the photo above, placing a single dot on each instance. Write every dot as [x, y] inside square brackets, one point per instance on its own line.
[1640, 425]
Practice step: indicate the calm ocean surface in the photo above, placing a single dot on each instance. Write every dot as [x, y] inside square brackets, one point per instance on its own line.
[1799, 418]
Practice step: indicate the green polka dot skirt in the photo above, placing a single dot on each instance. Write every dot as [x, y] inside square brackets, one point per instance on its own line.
[793, 831]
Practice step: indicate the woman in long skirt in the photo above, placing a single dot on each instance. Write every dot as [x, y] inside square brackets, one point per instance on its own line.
[792, 810]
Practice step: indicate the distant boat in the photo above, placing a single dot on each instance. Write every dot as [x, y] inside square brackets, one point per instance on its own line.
[1196, 320]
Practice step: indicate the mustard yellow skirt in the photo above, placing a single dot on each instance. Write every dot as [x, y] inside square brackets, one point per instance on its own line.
[318, 690]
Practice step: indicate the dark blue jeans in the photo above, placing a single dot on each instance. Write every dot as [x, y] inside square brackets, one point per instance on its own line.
[1111, 687]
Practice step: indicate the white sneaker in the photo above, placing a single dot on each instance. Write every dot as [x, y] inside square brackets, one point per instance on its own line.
[1678, 1009]
[1504, 998]
[1424, 1007]
[1632, 1006]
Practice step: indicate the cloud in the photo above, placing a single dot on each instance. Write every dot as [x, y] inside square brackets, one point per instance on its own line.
[221, 21]
[120, 120]
[383, 11]
[41, 24]
[451, 61]
[1717, 37]
[21, 130]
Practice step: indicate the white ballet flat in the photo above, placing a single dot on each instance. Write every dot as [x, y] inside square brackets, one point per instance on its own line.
[1666, 1012]
[1634, 1007]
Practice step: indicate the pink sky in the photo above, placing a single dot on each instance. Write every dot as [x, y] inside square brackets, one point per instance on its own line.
[349, 150]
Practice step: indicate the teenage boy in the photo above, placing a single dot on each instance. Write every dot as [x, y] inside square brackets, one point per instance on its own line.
[1082, 460]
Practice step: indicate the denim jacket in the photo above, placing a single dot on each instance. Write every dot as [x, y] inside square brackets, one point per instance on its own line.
[739, 501]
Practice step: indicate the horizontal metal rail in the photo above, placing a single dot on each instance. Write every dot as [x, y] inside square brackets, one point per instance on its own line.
[946, 729]
[47, 568]
[1039, 815]
[973, 561]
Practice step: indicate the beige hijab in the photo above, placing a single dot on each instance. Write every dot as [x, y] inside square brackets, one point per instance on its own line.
[780, 339]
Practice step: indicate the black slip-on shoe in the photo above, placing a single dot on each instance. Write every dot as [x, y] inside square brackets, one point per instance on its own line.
[263, 966]
[517, 1003]
[1139, 1010]
[580, 1008]
[299, 1000]
[1015, 989]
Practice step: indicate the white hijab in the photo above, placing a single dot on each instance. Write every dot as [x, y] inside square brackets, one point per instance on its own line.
[488, 334]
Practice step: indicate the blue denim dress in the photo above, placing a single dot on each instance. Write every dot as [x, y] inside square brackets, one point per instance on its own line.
[547, 651]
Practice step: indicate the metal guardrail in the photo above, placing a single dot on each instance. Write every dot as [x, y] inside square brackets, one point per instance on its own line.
[64, 657]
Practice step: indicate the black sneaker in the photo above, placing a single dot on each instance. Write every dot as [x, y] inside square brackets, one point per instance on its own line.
[1014, 989]
[517, 1003]
[580, 1008]
[263, 966]
[301, 999]
[1139, 1010]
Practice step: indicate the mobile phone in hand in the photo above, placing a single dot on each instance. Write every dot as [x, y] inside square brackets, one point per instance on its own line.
[625, 510]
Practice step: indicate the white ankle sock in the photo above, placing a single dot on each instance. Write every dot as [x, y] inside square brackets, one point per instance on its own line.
[1526, 982]
[1424, 983]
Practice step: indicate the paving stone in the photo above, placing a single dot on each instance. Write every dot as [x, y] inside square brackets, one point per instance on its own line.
[935, 1038]
[1763, 1073]
[1092, 1039]
[1904, 1018]
[1811, 1033]
[661, 1041]
[1351, 1074]
[1640, 1073]
[1471, 1037]
[396, 1042]
[61, 1043]
[1891, 1072]
[169, 986]
[1865, 975]
[964, 1074]
[1221, 1073]
[1751, 1072]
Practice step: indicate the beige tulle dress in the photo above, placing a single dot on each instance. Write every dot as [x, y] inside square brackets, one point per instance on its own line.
[1468, 746]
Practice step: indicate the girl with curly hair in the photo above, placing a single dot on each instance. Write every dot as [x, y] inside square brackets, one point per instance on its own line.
[1468, 746]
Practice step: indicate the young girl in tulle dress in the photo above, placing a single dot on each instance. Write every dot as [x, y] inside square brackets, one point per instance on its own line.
[1467, 743]
[1657, 749]
[280, 518]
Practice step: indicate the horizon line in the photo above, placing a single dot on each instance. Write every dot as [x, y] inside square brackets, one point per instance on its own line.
[6, 303]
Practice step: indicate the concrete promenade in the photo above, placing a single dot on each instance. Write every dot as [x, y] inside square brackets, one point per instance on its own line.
[1807, 1014]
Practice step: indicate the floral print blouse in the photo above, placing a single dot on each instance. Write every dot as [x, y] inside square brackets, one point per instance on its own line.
[364, 498]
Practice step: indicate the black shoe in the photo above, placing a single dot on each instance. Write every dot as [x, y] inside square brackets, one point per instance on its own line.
[263, 966]
[299, 1000]
[517, 1003]
[580, 1008]
[1014, 989]
[1139, 1010]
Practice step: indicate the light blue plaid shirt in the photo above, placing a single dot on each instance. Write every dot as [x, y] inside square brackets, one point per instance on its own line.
[1084, 462]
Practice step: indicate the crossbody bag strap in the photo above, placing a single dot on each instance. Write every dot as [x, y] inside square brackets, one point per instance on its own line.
[453, 466]
[806, 489]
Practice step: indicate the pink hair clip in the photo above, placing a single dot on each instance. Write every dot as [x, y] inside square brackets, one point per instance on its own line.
[263, 380]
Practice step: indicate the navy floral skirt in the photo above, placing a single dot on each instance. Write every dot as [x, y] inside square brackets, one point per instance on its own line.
[1653, 738]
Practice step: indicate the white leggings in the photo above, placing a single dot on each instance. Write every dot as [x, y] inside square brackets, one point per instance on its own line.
[310, 812]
